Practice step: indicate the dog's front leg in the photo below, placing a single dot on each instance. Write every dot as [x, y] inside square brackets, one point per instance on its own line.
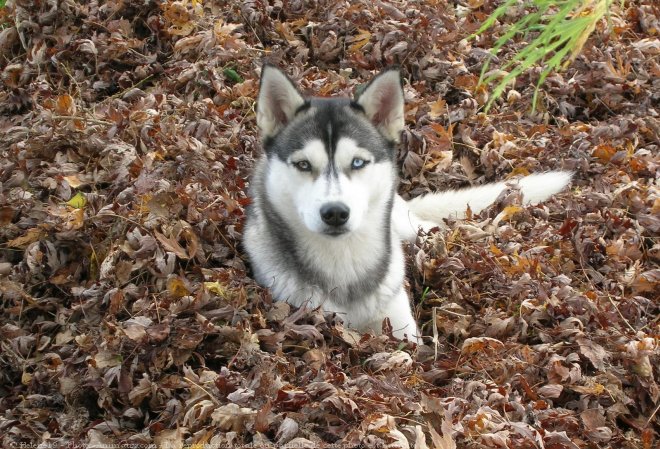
[401, 318]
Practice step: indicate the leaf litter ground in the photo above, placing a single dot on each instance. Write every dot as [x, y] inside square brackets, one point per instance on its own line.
[129, 318]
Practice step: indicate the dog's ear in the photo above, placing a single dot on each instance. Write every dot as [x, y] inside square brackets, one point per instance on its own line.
[278, 101]
[382, 101]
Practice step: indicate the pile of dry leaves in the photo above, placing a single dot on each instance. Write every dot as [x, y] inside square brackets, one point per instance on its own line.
[128, 318]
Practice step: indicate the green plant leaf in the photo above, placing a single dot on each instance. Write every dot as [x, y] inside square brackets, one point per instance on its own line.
[557, 30]
[78, 201]
[232, 75]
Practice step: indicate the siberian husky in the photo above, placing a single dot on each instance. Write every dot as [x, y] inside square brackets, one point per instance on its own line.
[326, 225]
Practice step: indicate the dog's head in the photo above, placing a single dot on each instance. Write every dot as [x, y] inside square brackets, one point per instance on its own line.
[330, 160]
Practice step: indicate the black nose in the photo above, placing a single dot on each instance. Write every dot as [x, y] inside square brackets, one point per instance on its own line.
[335, 214]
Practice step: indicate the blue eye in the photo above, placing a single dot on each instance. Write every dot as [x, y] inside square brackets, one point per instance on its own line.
[303, 165]
[358, 163]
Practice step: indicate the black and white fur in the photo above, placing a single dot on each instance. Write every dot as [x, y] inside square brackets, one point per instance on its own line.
[326, 223]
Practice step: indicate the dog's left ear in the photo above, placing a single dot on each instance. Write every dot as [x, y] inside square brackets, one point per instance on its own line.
[278, 101]
[382, 101]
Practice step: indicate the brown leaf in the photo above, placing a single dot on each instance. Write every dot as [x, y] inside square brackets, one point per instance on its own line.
[177, 286]
[438, 108]
[596, 354]
[263, 418]
[136, 328]
[358, 41]
[551, 391]
[479, 344]
[446, 441]
[603, 152]
[171, 245]
[31, 236]
[65, 105]
[232, 418]
[399, 362]
[172, 439]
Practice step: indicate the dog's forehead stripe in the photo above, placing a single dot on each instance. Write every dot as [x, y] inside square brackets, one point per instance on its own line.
[329, 120]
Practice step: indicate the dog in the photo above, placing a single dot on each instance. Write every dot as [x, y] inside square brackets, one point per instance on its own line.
[325, 225]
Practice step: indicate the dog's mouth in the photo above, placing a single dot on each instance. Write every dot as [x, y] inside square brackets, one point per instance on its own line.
[335, 232]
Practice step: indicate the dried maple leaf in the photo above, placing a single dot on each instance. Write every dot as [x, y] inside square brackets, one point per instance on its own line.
[136, 328]
[596, 354]
[438, 109]
[232, 417]
[479, 344]
[65, 105]
[399, 362]
[358, 41]
[444, 441]
[172, 438]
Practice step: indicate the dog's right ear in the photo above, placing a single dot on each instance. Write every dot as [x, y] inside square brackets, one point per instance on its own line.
[278, 101]
[382, 101]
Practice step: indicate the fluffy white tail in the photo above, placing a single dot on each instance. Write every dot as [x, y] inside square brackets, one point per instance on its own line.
[430, 210]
